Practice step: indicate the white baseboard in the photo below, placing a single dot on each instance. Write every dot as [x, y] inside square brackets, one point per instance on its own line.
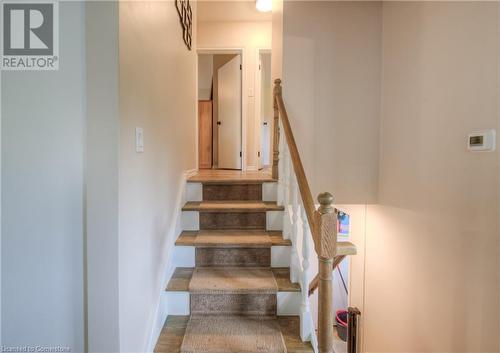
[280, 256]
[190, 220]
[178, 303]
[270, 191]
[274, 220]
[194, 192]
[289, 303]
[184, 256]
[161, 311]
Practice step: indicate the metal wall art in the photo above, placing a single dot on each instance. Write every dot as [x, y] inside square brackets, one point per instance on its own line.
[186, 17]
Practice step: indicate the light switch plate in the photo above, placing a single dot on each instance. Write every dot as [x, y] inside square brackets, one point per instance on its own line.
[139, 140]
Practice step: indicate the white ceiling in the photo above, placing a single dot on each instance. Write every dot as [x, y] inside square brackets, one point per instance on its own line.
[226, 11]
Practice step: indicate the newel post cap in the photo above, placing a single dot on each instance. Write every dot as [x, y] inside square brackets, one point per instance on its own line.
[325, 200]
[277, 89]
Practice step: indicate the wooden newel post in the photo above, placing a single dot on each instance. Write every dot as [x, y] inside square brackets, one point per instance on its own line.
[325, 242]
[276, 132]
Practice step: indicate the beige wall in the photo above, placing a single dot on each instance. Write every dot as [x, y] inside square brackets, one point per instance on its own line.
[432, 242]
[249, 36]
[427, 274]
[331, 85]
[277, 41]
[157, 93]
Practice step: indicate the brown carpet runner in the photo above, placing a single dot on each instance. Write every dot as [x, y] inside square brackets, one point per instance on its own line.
[233, 292]
[232, 334]
[232, 280]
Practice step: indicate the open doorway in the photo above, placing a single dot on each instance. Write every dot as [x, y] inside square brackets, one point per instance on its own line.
[263, 108]
[220, 110]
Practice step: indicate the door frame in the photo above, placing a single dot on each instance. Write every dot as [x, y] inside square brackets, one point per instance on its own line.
[258, 103]
[244, 99]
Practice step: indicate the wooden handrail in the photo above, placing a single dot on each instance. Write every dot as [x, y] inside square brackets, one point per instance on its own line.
[305, 191]
[322, 222]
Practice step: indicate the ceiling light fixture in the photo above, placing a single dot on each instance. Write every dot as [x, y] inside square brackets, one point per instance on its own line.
[264, 5]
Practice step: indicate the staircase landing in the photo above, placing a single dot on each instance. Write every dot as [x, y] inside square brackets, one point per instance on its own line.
[231, 176]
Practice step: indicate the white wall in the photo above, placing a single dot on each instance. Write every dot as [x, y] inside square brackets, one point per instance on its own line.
[432, 242]
[102, 175]
[331, 87]
[42, 196]
[158, 93]
[249, 36]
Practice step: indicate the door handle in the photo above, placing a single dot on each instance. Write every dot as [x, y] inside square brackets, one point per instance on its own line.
[219, 123]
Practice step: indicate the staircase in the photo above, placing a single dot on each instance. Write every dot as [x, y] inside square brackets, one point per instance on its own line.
[236, 283]
[233, 223]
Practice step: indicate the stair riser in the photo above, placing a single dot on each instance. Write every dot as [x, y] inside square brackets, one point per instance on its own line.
[247, 192]
[234, 304]
[232, 220]
[243, 257]
[184, 256]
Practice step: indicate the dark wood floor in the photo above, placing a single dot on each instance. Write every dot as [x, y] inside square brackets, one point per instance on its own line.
[173, 332]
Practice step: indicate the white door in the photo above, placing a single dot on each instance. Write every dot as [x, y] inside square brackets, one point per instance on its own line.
[263, 99]
[259, 102]
[229, 110]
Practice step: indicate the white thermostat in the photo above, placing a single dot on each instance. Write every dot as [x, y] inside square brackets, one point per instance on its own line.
[482, 141]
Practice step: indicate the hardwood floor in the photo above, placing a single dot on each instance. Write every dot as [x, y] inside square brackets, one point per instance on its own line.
[230, 176]
[173, 332]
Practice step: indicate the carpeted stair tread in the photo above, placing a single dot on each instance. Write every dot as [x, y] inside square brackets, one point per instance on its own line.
[232, 238]
[182, 277]
[232, 280]
[233, 334]
[232, 206]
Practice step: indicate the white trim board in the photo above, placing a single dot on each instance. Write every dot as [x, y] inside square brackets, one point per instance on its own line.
[174, 230]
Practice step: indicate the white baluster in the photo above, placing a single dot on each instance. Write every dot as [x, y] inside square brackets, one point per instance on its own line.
[305, 311]
[286, 191]
[281, 167]
[294, 260]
